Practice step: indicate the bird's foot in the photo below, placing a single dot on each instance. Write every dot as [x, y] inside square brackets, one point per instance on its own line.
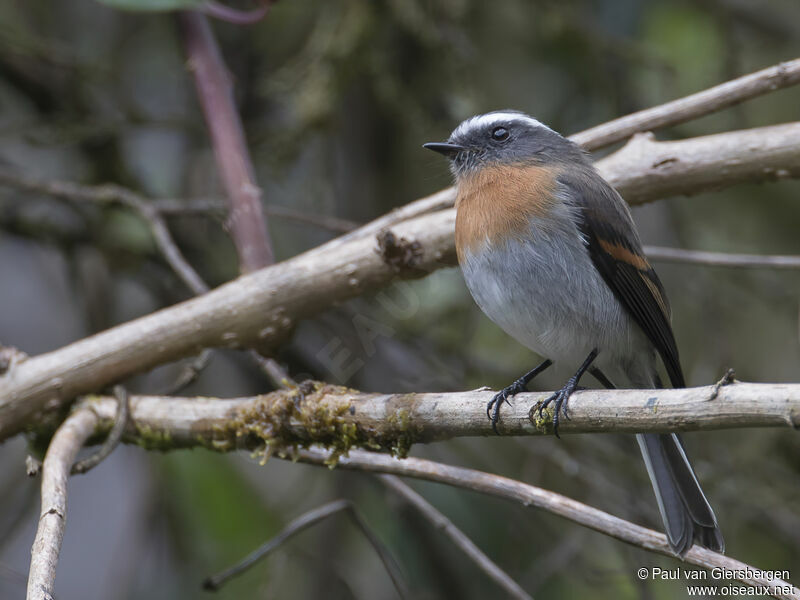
[493, 407]
[560, 400]
[520, 385]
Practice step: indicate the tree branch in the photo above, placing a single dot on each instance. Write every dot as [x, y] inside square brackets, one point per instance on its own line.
[261, 307]
[247, 222]
[458, 537]
[104, 195]
[305, 521]
[343, 418]
[711, 162]
[722, 259]
[691, 107]
[64, 447]
[577, 512]
[170, 423]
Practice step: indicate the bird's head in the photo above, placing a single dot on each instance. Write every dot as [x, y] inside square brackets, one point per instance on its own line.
[504, 138]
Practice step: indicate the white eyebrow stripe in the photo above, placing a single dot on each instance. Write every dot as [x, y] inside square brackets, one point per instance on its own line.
[481, 121]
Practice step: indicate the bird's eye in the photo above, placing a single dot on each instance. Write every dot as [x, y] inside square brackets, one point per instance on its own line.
[500, 134]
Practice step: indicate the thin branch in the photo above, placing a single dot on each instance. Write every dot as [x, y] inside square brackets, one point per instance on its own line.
[189, 373]
[722, 259]
[189, 206]
[691, 107]
[323, 222]
[262, 307]
[107, 194]
[565, 507]
[303, 522]
[236, 16]
[169, 249]
[344, 418]
[67, 441]
[113, 438]
[215, 92]
[458, 537]
[114, 194]
[277, 375]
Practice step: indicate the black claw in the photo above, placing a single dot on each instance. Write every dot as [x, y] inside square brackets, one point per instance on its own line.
[493, 407]
[561, 397]
[560, 400]
[520, 385]
[555, 419]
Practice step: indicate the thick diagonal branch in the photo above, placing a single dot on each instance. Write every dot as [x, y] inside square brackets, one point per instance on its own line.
[262, 306]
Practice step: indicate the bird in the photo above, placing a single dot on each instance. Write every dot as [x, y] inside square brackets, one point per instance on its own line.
[550, 253]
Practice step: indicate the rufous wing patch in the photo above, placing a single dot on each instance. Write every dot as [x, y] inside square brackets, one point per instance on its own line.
[624, 254]
[498, 202]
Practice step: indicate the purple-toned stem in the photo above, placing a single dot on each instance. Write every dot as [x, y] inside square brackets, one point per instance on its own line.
[246, 219]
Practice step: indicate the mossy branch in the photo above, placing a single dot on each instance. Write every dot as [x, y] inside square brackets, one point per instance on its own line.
[340, 418]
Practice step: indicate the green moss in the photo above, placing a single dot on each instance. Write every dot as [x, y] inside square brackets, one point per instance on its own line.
[543, 423]
[315, 414]
[153, 439]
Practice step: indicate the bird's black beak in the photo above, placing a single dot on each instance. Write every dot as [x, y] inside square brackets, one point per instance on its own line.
[447, 149]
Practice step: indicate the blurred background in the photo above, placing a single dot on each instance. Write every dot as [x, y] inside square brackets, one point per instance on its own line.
[337, 98]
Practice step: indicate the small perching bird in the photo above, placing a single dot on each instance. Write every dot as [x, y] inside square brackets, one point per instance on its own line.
[550, 253]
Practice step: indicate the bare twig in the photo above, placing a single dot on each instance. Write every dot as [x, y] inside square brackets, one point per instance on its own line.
[108, 194]
[189, 373]
[344, 418]
[691, 107]
[61, 453]
[247, 222]
[235, 16]
[323, 222]
[458, 537]
[113, 194]
[304, 522]
[171, 253]
[114, 436]
[9, 357]
[189, 206]
[562, 506]
[33, 466]
[277, 375]
[722, 259]
[262, 307]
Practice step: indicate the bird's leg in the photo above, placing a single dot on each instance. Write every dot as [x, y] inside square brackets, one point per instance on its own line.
[561, 397]
[601, 377]
[493, 407]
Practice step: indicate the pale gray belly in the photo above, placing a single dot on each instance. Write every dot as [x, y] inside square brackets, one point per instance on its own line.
[546, 293]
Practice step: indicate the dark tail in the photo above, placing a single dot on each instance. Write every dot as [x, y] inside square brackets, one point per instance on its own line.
[687, 515]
